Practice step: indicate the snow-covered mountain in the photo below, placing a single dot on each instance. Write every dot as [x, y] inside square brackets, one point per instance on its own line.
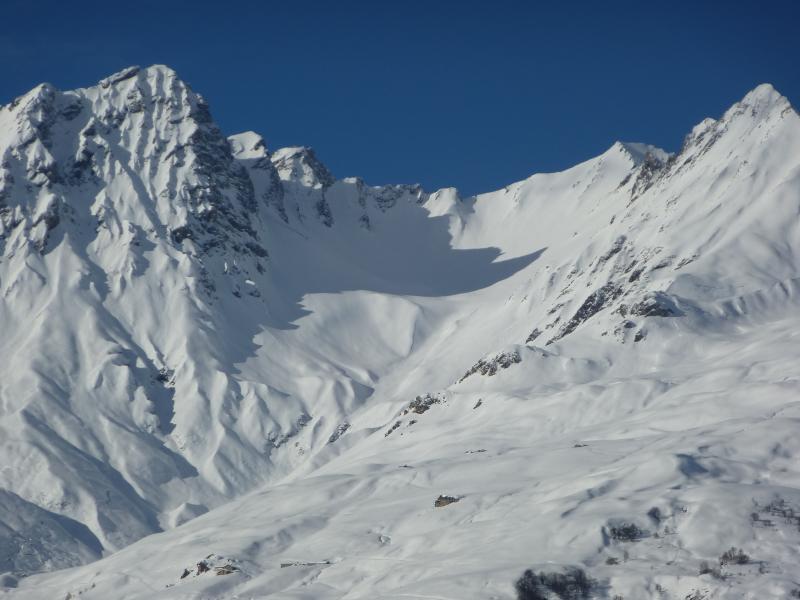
[227, 374]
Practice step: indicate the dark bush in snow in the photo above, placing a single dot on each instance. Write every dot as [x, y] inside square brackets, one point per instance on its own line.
[734, 556]
[572, 584]
[626, 532]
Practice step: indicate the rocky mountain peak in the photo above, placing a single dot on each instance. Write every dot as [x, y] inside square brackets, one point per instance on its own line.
[187, 318]
[300, 164]
[762, 99]
[642, 153]
[140, 145]
[248, 145]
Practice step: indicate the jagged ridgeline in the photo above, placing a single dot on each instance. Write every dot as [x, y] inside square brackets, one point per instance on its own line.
[580, 385]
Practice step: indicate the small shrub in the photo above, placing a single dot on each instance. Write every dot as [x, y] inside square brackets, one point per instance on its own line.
[572, 584]
[626, 532]
[734, 556]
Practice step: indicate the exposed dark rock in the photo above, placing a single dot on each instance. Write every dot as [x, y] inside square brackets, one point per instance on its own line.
[279, 440]
[635, 275]
[490, 367]
[657, 304]
[616, 247]
[120, 76]
[594, 303]
[134, 102]
[392, 428]
[293, 161]
[386, 197]
[324, 211]
[650, 168]
[213, 563]
[533, 335]
[226, 569]
[200, 111]
[305, 564]
[421, 404]
[72, 110]
[444, 501]
[257, 249]
[663, 263]
[181, 233]
[339, 432]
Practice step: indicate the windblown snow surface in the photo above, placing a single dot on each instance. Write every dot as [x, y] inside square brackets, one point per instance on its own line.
[226, 374]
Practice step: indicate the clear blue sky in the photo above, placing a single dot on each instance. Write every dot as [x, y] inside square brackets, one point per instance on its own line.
[471, 94]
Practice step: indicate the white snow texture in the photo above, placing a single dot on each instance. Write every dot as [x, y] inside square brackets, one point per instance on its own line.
[224, 373]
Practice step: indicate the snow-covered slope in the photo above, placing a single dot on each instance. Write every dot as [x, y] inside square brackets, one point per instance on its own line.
[264, 373]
